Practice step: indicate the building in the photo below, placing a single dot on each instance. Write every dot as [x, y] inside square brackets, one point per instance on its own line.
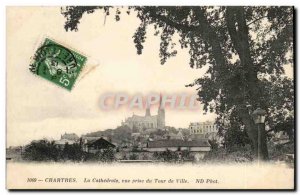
[62, 142]
[174, 136]
[14, 153]
[70, 136]
[196, 148]
[206, 129]
[178, 145]
[147, 121]
[86, 140]
[67, 138]
[98, 145]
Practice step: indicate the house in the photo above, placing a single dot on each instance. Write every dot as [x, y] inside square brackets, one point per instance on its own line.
[86, 140]
[174, 136]
[98, 145]
[135, 135]
[14, 153]
[67, 138]
[62, 142]
[70, 136]
[203, 128]
[178, 145]
[198, 148]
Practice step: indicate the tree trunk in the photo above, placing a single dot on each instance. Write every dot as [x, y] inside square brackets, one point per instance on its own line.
[239, 33]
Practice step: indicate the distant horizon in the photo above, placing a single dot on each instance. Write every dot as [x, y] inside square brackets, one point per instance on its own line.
[80, 135]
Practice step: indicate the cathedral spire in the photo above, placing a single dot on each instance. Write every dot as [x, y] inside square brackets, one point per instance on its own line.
[147, 110]
[161, 115]
[160, 100]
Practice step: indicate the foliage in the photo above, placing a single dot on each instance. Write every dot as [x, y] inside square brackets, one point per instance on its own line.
[135, 129]
[106, 155]
[172, 129]
[124, 157]
[186, 155]
[278, 152]
[42, 150]
[72, 152]
[234, 154]
[135, 149]
[167, 156]
[285, 125]
[214, 145]
[235, 134]
[133, 156]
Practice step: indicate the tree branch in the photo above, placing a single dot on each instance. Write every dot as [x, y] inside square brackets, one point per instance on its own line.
[179, 26]
[253, 21]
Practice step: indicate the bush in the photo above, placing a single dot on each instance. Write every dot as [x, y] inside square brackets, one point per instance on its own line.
[186, 155]
[278, 152]
[72, 152]
[213, 144]
[234, 154]
[107, 155]
[133, 156]
[167, 156]
[135, 149]
[42, 150]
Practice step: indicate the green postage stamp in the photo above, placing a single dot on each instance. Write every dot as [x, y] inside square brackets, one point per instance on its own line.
[58, 64]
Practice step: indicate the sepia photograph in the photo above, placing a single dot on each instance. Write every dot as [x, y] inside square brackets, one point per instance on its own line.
[150, 97]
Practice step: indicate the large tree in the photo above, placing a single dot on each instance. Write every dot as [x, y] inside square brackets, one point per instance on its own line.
[244, 49]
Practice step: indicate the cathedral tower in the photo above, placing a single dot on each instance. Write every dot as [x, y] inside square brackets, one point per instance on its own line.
[147, 110]
[161, 115]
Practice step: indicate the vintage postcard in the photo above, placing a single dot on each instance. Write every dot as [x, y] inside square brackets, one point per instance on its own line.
[150, 97]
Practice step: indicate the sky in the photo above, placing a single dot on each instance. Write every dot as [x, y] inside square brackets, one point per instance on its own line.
[36, 108]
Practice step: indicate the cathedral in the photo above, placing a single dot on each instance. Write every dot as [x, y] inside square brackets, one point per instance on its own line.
[147, 121]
